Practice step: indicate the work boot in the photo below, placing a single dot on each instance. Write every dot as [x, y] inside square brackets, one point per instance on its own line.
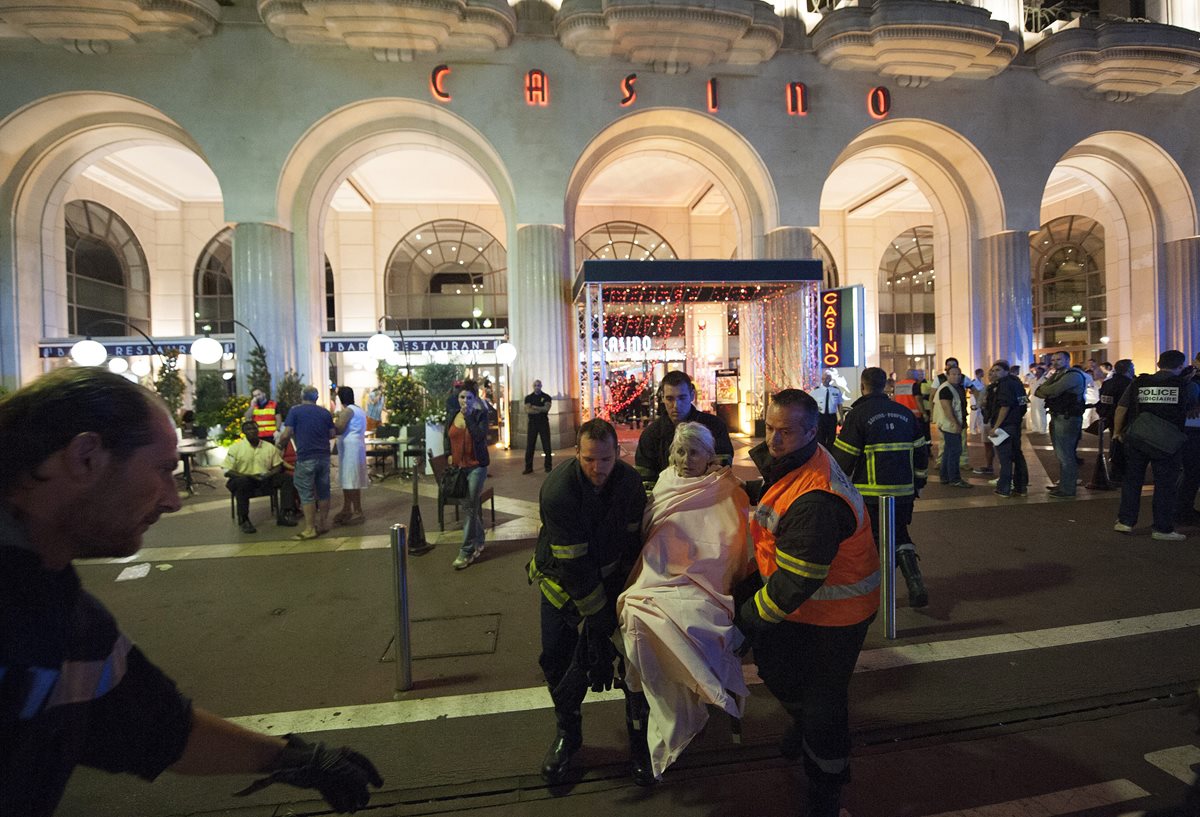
[917, 596]
[247, 526]
[566, 743]
[637, 713]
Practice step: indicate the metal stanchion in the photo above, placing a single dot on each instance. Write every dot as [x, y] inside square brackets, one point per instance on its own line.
[403, 639]
[887, 564]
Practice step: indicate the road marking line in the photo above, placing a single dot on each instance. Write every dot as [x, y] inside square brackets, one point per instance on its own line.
[892, 657]
[397, 712]
[1177, 762]
[519, 700]
[1067, 801]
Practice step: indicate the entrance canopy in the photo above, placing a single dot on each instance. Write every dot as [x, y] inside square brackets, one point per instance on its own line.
[757, 321]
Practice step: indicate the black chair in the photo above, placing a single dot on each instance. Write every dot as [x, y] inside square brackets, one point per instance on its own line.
[379, 454]
[439, 465]
[271, 489]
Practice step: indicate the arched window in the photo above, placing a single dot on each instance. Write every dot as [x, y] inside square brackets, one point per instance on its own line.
[107, 275]
[907, 338]
[214, 284]
[445, 273]
[330, 303]
[622, 240]
[1069, 304]
[821, 253]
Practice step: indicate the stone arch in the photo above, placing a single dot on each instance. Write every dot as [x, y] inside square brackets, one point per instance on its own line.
[967, 204]
[47, 144]
[1145, 203]
[696, 139]
[342, 140]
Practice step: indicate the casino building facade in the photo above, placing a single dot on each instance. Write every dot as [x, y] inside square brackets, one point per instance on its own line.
[999, 177]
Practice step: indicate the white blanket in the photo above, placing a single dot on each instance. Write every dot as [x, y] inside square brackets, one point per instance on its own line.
[677, 615]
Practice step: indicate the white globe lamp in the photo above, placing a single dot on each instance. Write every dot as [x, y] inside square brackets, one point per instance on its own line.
[140, 366]
[88, 353]
[506, 353]
[206, 350]
[379, 346]
[394, 358]
[118, 365]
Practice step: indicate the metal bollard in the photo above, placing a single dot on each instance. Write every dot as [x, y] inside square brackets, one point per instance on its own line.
[403, 638]
[887, 564]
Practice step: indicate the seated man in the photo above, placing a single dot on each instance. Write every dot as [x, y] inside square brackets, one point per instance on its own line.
[252, 467]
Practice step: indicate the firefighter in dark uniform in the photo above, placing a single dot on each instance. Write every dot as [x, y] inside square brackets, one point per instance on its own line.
[676, 405]
[807, 610]
[883, 448]
[591, 513]
[1171, 396]
[1106, 409]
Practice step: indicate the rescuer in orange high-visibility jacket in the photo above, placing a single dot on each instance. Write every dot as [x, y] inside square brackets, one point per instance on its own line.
[807, 610]
[265, 413]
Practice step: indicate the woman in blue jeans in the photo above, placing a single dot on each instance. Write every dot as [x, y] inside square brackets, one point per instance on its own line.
[468, 449]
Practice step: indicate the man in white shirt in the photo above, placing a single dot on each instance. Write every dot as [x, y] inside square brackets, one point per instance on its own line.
[1038, 420]
[251, 467]
[829, 402]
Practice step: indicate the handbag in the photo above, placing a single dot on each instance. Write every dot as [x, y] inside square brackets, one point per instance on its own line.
[453, 482]
[1155, 437]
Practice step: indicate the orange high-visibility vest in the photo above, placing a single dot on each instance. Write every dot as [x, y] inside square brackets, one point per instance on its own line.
[850, 593]
[265, 417]
[908, 394]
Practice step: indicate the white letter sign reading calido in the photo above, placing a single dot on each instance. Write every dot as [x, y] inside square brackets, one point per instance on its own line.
[635, 346]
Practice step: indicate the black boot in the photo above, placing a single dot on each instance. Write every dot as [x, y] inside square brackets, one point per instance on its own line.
[917, 596]
[566, 743]
[637, 713]
[824, 800]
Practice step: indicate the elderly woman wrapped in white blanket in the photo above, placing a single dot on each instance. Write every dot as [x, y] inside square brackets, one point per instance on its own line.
[677, 613]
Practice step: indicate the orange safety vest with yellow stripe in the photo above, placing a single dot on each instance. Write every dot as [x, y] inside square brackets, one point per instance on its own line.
[850, 592]
[265, 417]
[908, 394]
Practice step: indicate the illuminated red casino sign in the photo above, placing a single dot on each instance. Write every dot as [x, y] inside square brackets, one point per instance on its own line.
[536, 92]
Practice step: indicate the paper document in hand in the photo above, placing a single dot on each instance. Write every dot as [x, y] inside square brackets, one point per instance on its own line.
[998, 436]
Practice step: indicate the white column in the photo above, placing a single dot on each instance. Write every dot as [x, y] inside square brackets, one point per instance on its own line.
[264, 298]
[788, 242]
[1182, 13]
[1010, 11]
[542, 327]
[1179, 297]
[1003, 299]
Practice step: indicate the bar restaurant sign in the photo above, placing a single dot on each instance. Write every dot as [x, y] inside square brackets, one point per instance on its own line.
[129, 349]
[442, 344]
[842, 327]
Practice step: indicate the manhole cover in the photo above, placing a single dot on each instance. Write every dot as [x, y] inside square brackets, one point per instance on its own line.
[449, 637]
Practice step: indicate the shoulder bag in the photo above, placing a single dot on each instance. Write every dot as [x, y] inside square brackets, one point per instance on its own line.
[453, 482]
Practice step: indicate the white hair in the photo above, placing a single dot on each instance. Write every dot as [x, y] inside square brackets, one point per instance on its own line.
[687, 434]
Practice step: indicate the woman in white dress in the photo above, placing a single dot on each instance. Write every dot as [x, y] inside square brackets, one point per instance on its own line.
[677, 613]
[351, 425]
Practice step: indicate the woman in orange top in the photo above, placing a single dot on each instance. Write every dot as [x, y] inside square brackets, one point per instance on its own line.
[468, 449]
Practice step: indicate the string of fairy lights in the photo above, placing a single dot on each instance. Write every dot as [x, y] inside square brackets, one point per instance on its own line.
[657, 310]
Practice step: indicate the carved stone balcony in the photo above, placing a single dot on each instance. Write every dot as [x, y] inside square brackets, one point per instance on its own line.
[916, 41]
[93, 26]
[393, 30]
[1122, 61]
[671, 37]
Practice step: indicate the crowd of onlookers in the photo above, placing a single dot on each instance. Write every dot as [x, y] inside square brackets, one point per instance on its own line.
[1056, 397]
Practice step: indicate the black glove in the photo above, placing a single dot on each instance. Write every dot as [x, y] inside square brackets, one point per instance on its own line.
[751, 624]
[601, 652]
[340, 775]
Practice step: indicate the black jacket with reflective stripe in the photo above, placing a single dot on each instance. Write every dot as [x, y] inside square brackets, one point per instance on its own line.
[883, 449]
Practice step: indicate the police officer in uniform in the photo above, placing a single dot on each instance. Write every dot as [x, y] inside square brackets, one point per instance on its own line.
[1008, 416]
[1106, 409]
[1170, 395]
[816, 593]
[883, 448]
[1064, 393]
[591, 511]
[1189, 485]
